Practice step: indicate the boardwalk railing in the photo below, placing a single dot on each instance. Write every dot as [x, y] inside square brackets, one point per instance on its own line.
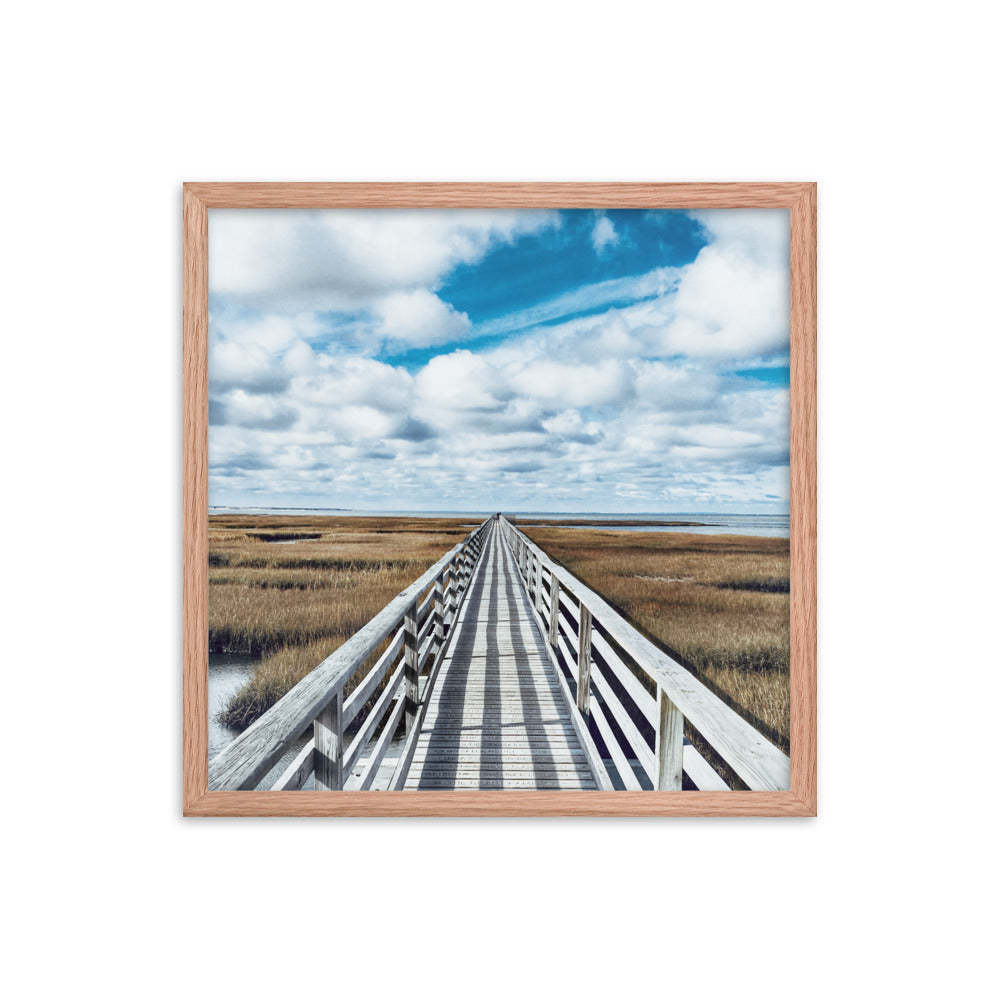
[602, 662]
[418, 621]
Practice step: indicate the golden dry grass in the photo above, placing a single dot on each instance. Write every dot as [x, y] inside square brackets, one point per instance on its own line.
[294, 604]
[718, 603]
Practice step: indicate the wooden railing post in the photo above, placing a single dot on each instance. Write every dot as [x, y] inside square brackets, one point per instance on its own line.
[438, 612]
[539, 597]
[328, 733]
[669, 745]
[554, 612]
[583, 662]
[411, 664]
[448, 585]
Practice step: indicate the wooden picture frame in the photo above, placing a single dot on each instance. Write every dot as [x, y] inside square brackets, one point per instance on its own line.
[800, 200]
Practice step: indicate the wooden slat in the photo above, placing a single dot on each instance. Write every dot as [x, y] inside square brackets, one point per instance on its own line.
[475, 784]
[570, 658]
[703, 776]
[635, 739]
[363, 691]
[411, 666]
[583, 662]
[373, 718]
[621, 762]
[378, 751]
[540, 754]
[297, 773]
[579, 724]
[641, 698]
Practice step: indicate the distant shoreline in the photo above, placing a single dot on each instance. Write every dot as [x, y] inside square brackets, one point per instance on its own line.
[590, 523]
[696, 523]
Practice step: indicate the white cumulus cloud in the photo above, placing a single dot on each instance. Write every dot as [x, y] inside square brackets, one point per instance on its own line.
[603, 234]
[418, 318]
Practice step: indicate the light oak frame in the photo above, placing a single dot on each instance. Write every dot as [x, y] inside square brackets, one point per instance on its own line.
[800, 200]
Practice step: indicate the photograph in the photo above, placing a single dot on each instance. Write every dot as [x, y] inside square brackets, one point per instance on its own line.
[498, 499]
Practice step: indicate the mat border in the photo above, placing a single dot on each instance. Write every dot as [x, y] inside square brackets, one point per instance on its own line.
[800, 200]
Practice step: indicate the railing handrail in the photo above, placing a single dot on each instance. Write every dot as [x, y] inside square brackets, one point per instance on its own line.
[253, 753]
[754, 758]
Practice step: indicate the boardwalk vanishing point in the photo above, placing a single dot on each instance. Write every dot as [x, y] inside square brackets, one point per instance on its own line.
[498, 669]
[496, 717]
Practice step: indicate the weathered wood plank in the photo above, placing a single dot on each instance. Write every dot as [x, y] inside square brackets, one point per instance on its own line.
[357, 698]
[370, 773]
[636, 741]
[297, 773]
[554, 618]
[620, 760]
[540, 755]
[474, 784]
[703, 776]
[643, 700]
[373, 718]
[583, 663]
[411, 667]
[328, 739]
[669, 746]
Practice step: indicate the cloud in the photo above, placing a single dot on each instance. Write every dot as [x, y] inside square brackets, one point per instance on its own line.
[618, 393]
[248, 367]
[413, 430]
[461, 381]
[603, 234]
[573, 384]
[240, 408]
[419, 318]
[296, 260]
[733, 299]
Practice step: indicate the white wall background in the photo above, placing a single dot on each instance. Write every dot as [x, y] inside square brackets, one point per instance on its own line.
[109, 107]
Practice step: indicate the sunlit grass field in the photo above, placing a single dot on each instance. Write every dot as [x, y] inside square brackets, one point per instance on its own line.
[292, 590]
[718, 603]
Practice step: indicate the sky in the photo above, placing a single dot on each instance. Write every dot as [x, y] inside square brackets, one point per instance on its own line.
[575, 360]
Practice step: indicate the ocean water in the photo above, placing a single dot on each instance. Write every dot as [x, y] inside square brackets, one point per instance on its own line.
[708, 523]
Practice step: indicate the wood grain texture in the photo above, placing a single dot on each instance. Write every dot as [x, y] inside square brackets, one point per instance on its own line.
[803, 498]
[800, 199]
[497, 195]
[503, 803]
[195, 499]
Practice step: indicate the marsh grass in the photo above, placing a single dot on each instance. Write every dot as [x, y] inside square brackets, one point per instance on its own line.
[294, 605]
[719, 604]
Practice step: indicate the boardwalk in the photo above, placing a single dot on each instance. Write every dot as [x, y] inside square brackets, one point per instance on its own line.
[496, 717]
[499, 669]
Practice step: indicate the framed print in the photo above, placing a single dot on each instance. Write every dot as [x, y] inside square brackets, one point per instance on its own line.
[500, 499]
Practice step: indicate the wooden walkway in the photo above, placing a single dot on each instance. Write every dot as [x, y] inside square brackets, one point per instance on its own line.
[538, 683]
[497, 718]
